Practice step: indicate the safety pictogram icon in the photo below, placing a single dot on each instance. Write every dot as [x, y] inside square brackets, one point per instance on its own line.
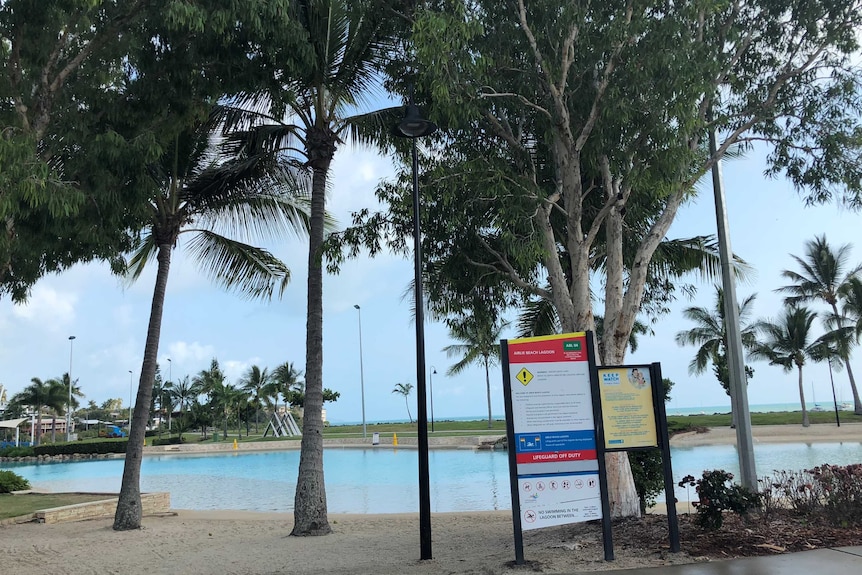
[524, 376]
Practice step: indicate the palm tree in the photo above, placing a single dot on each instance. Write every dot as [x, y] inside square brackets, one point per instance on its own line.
[284, 378]
[347, 45]
[787, 343]
[201, 192]
[256, 382]
[40, 394]
[184, 392]
[405, 389]
[824, 277]
[710, 333]
[480, 343]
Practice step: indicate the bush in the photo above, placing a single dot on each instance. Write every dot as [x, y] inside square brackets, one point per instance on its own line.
[842, 492]
[168, 441]
[16, 452]
[96, 447]
[10, 482]
[715, 496]
[648, 475]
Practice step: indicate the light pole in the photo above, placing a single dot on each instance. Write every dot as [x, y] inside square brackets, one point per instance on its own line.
[69, 405]
[415, 126]
[130, 400]
[361, 372]
[431, 389]
[170, 382]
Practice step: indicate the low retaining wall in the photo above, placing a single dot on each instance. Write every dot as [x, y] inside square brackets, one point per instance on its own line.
[151, 504]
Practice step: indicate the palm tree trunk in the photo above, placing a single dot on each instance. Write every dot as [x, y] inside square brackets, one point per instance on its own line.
[309, 507]
[128, 514]
[857, 404]
[39, 425]
[805, 422]
[488, 389]
[407, 403]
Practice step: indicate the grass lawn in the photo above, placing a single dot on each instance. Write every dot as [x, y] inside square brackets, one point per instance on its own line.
[17, 505]
[776, 418]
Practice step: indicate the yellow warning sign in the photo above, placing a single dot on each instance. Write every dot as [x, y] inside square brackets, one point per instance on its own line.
[524, 376]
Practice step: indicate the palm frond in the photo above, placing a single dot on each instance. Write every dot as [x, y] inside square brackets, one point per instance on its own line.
[145, 251]
[236, 266]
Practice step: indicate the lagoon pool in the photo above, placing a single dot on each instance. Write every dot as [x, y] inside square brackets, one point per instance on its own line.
[379, 480]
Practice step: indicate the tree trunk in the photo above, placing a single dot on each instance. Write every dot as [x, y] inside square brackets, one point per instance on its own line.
[857, 404]
[309, 508]
[128, 514]
[621, 484]
[805, 422]
[407, 403]
[488, 389]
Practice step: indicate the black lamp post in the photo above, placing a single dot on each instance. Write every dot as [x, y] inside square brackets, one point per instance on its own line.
[415, 126]
[431, 389]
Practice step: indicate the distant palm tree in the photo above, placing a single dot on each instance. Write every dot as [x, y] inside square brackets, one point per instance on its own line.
[825, 276]
[38, 395]
[184, 392]
[256, 382]
[285, 378]
[203, 191]
[405, 389]
[710, 333]
[788, 343]
[480, 337]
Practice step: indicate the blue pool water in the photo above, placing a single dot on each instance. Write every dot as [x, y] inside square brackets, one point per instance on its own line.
[376, 480]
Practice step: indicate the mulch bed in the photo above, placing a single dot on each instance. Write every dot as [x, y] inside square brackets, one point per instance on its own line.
[781, 532]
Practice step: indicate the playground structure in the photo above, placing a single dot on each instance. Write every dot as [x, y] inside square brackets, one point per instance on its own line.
[282, 425]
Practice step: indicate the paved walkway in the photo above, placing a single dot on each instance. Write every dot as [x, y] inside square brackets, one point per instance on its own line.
[837, 561]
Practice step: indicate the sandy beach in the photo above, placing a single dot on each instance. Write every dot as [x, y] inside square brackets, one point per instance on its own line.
[194, 542]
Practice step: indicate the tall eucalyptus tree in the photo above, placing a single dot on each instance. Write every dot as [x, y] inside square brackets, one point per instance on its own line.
[574, 132]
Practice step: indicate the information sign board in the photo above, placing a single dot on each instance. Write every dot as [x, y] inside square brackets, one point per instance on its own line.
[554, 430]
[628, 412]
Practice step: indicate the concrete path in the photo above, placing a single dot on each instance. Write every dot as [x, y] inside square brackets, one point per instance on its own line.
[837, 561]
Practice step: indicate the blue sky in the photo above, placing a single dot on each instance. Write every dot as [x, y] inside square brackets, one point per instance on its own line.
[767, 222]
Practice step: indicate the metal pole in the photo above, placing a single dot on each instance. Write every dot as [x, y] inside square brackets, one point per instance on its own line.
[170, 382]
[361, 372]
[69, 405]
[422, 408]
[736, 362]
[431, 391]
[834, 399]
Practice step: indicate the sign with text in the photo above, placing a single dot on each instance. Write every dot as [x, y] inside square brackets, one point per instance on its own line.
[554, 430]
[628, 413]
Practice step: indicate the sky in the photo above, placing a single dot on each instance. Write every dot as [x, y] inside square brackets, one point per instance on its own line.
[109, 319]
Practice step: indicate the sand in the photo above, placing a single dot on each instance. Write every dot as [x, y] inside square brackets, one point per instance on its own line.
[195, 542]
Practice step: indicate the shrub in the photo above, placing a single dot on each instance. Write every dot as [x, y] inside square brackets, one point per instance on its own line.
[841, 489]
[173, 440]
[16, 452]
[10, 482]
[648, 475]
[95, 447]
[716, 495]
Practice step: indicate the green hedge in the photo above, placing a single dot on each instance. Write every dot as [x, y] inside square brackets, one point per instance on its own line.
[16, 452]
[100, 447]
[167, 441]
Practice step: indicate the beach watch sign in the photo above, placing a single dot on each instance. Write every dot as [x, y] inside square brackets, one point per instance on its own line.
[556, 454]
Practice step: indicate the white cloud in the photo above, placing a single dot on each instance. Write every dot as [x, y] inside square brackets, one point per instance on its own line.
[48, 306]
[183, 352]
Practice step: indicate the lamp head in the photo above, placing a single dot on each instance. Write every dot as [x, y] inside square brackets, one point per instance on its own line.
[356, 305]
[71, 337]
[413, 125]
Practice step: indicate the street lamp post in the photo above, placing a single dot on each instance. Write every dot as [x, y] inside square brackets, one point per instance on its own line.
[170, 382]
[431, 390]
[130, 400]
[361, 372]
[415, 126]
[69, 405]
